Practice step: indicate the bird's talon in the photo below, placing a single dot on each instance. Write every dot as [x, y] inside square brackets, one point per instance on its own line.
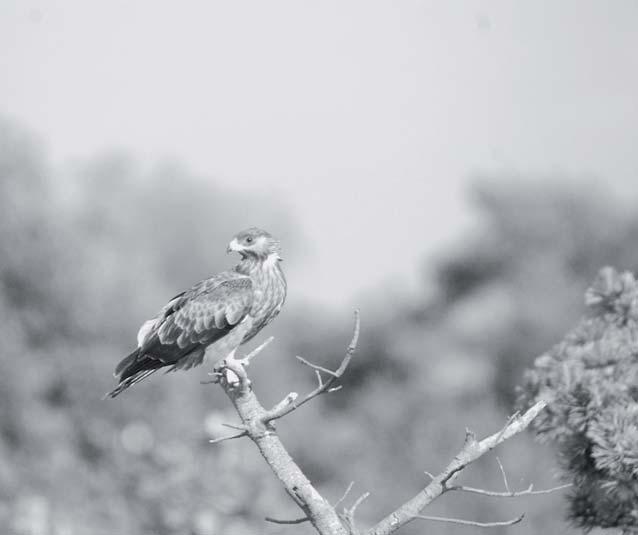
[232, 379]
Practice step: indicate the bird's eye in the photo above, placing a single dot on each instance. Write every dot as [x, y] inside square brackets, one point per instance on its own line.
[249, 239]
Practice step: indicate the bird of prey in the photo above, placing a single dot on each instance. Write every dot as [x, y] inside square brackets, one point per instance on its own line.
[226, 310]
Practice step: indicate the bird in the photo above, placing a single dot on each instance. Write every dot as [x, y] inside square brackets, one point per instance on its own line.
[219, 313]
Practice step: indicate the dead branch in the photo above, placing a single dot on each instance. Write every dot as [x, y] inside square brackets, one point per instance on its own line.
[257, 423]
[316, 367]
[500, 466]
[348, 514]
[228, 437]
[529, 491]
[472, 522]
[305, 518]
[345, 494]
[470, 452]
[248, 358]
[282, 408]
[234, 426]
[515, 494]
[284, 404]
[292, 521]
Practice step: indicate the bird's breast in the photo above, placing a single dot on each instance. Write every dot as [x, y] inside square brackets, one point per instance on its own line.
[269, 287]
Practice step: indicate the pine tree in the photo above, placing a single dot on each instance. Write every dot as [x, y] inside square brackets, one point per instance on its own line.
[590, 380]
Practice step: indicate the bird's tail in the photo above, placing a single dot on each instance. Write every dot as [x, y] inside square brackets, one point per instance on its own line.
[129, 381]
[132, 369]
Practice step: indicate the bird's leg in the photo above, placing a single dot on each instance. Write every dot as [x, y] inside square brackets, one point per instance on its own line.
[232, 369]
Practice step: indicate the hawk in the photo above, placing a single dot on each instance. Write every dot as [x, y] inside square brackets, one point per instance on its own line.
[226, 310]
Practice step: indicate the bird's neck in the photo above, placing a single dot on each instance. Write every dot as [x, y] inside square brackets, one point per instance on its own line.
[254, 266]
[267, 277]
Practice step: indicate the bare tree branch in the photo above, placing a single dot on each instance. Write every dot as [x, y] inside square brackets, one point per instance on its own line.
[470, 452]
[472, 522]
[515, 494]
[305, 518]
[228, 437]
[258, 424]
[357, 503]
[259, 427]
[235, 426]
[529, 491]
[345, 495]
[510, 420]
[293, 521]
[348, 514]
[279, 410]
[285, 403]
[247, 359]
[500, 466]
[316, 367]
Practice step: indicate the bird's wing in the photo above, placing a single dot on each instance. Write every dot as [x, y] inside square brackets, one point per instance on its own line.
[198, 317]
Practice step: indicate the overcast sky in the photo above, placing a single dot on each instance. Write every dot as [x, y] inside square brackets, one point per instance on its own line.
[368, 118]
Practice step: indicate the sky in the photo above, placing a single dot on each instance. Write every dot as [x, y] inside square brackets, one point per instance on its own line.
[369, 119]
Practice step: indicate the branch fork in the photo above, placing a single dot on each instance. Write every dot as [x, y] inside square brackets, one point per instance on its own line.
[471, 450]
[257, 423]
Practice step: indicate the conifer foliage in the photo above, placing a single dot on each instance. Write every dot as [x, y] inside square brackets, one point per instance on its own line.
[590, 380]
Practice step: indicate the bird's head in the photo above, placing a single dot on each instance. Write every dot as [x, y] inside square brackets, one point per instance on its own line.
[257, 243]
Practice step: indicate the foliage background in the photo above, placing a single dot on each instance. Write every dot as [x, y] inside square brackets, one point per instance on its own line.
[91, 250]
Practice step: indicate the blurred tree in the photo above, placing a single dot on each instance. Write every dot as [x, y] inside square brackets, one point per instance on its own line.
[514, 286]
[28, 240]
[509, 289]
[591, 382]
[86, 254]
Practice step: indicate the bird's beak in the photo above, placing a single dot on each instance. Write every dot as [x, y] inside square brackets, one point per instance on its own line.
[233, 246]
